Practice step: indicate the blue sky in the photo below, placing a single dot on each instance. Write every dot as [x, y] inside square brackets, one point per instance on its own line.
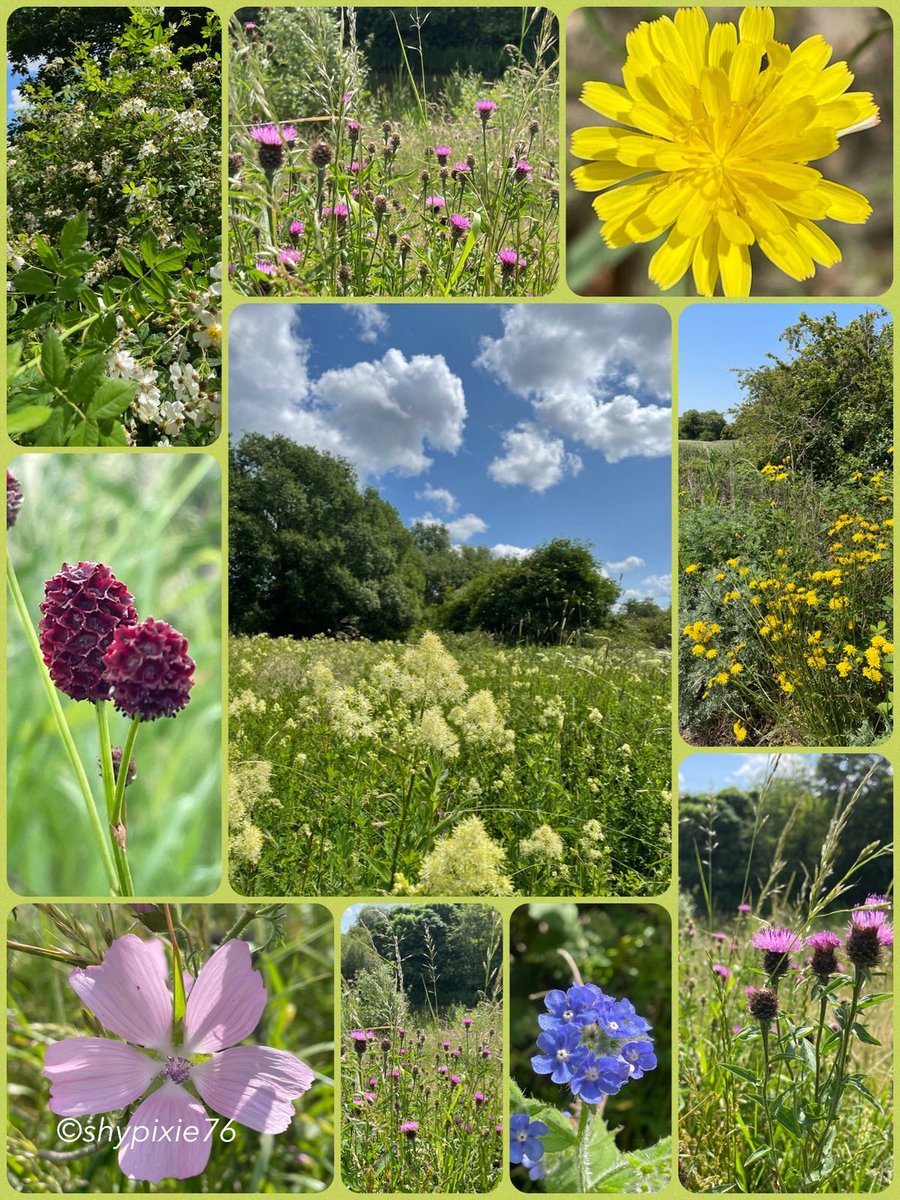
[700, 774]
[713, 339]
[511, 424]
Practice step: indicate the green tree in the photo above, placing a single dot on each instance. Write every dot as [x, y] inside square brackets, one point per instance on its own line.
[447, 567]
[708, 426]
[644, 622]
[826, 408]
[311, 554]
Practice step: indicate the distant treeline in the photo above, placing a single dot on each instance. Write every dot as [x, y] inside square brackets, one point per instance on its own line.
[312, 553]
[709, 426]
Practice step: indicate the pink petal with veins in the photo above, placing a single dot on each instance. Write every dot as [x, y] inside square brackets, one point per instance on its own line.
[169, 1137]
[253, 1085]
[128, 992]
[226, 1002]
[95, 1075]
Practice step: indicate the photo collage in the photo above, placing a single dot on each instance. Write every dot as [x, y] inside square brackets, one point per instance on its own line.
[449, 614]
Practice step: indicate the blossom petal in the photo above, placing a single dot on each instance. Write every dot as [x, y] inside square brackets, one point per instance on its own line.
[127, 992]
[169, 1137]
[254, 1085]
[95, 1075]
[734, 266]
[225, 1003]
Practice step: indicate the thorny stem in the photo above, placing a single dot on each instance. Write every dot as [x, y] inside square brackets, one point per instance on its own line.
[110, 787]
[63, 726]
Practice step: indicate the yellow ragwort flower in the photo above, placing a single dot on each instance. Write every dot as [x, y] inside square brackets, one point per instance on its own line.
[740, 730]
[714, 147]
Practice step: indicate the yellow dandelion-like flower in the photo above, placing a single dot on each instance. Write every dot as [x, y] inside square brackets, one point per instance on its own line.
[713, 147]
[740, 730]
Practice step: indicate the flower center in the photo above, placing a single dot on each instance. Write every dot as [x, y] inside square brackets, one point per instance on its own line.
[562, 1056]
[568, 1015]
[176, 1069]
[522, 1136]
[592, 1074]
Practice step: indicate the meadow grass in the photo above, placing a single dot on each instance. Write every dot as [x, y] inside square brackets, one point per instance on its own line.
[360, 204]
[784, 601]
[156, 523]
[465, 768]
[294, 953]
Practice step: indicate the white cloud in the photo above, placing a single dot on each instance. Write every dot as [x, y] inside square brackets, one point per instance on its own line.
[32, 65]
[502, 550]
[579, 365]
[533, 458]
[461, 530]
[441, 496]
[17, 102]
[371, 319]
[654, 587]
[631, 563]
[381, 415]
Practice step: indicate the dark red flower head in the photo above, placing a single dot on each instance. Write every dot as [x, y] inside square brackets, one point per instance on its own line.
[13, 499]
[82, 609]
[149, 671]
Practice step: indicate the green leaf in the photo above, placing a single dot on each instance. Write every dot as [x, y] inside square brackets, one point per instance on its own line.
[73, 234]
[111, 398]
[36, 315]
[33, 282]
[84, 382]
[26, 419]
[170, 260]
[113, 435]
[53, 359]
[78, 261]
[856, 1084]
[13, 358]
[53, 432]
[762, 1152]
[71, 287]
[85, 433]
[131, 262]
[149, 249]
[864, 1036]
[741, 1072]
[45, 252]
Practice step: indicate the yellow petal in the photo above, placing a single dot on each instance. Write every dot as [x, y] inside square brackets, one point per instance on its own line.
[715, 92]
[675, 90]
[844, 204]
[734, 265]
[695, 215]
[597, 141]
[818, 244]
[652, 118]
[722, 43]
[757, 25]
[814, 52]
[705, 263]
[744, 71]
[735, 228]
[672, 259]
[608, 99]
[669, 202]
[693, 26]
[786, 252]
[595, 176]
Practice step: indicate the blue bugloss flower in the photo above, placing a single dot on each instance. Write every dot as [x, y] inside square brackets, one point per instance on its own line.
[639, 1056]
[598, 1076]
[562, 1053]
[620, 1021]
[525, 1139]
[577, 1006]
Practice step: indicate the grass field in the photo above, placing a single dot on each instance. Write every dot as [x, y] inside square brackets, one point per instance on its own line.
[456, 768]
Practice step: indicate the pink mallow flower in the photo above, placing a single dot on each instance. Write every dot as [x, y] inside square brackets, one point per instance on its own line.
[128, 993]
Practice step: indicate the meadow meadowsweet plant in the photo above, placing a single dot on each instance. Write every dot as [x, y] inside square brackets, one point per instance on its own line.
[173, 1048]
[712, 136]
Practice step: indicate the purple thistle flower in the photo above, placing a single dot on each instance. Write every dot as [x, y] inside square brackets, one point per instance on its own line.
[459, 226]
[484, 108]
[289, 256]
[13, 499]
[442, 154]
[454, 1080]
[467, 1021]
[743, 908]
[722, 970]
[297, 229]
[409, 1128]
[510, 261]
[128, 993]
[148, 669]
[353, 130]
[522, 170]
[435, 203]
[83, 607]
[868, 932]
[776, 945]
[478, 1097]
[525, 1138]
[824, 961]
[359, 1039]
[266, 268]
[461, 168]
[270, 135]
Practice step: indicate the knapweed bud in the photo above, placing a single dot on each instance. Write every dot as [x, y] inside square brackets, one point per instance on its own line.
[235, 165]
[13, 499]
[321, 155]
[823, 962]
[82, 609]
[763, 1004]
[149, 671]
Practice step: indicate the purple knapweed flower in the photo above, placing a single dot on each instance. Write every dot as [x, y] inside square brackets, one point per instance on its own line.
[83, 606]
[824, 961]
[353, 130]
[562, 1053]
[297, 229]
[525, 1138]
[454, 1080]
[13, 499]
[721, 970]
[868, 932]
[442, 154]
[265, 267]
[461, 168]
[598, 1076]
[522, 170]
[409, 1128]
[719, 936]
[271, 141]
[128, 993]
[467, 1022]
[743, 908]
[478, 1097]
[435, 203]
[484, 108]
[776, 945]
[289, 256]
[510, 261]
[148, 669]
[459, 226]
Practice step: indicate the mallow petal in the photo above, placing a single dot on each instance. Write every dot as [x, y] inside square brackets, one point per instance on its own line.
[169, 1137]
[95, 1075]
[253, 1085]
[226, 1001]
[128, 992]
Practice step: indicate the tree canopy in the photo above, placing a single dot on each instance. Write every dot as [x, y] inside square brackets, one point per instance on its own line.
[708, 426]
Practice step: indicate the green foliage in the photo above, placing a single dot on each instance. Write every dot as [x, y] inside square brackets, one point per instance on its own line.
[708, 426]
[309, 552]
[826, 407]
[293, 952]
[155, 521]
[113, 192]
[644, 623]
[554, 593]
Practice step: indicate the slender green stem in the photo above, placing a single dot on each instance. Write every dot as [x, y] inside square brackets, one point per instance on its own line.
[122, 781]
[116, 824]
[582, 1149]
[836, 1078]
[62, 726]
[401, 830]
[765, 1093]
[823, 1006]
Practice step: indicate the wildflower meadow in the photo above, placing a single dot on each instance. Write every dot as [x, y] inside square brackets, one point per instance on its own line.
[785, 978]
[113, 254]
[114, 723]
[785, 542]
[730, 152]
[214, 1021]
[380, 153]
[422, 1049]
[590, 1102]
